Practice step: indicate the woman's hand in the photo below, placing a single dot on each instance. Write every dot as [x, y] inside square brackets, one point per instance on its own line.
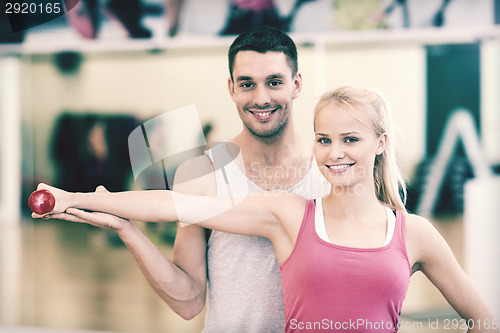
[98, 219]
[62, 200]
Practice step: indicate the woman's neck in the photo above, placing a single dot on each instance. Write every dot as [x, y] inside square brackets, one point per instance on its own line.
[352, 201]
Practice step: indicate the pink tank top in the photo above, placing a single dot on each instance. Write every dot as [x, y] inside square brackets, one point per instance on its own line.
[327, 287]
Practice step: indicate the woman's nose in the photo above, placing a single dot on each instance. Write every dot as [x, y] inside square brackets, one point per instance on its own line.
[336, 151]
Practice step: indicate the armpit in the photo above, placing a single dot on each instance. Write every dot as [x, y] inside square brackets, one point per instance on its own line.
[416, 267]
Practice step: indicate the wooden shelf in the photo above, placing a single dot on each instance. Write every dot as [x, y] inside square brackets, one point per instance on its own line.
[64, 39]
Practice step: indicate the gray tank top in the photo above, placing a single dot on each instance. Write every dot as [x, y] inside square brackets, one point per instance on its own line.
[244, 280]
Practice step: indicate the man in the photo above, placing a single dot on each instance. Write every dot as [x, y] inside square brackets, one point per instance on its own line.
[242, 271]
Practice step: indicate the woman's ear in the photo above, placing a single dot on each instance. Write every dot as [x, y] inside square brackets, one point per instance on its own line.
[381, 143]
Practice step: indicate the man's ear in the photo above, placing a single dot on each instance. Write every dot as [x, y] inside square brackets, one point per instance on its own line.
[381, 143]
[230, 85]
[297, 82]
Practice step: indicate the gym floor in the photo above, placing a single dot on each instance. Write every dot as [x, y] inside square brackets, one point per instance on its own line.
[76, 278]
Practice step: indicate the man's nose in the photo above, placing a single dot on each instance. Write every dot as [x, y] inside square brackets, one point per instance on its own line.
[261, 96]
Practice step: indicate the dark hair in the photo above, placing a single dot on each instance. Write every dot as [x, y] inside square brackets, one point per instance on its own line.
[264, 39]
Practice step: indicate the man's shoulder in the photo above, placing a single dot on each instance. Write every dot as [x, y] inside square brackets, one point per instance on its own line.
[195, 176]
[307, 145]
[193, 168]
[304, 148]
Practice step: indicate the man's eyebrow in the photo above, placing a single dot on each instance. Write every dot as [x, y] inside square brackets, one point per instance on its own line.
[249, 78]
[275, 76]
[244, 78]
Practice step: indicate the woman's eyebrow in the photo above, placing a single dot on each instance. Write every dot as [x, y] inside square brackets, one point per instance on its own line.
[349, 133]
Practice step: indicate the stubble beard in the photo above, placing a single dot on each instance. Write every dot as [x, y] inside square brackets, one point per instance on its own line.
[272, 135]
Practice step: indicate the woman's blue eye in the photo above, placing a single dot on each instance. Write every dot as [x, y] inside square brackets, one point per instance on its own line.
[350, 139]
[324, 140]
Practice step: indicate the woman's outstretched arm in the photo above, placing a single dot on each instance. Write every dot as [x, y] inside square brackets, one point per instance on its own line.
[254, 215]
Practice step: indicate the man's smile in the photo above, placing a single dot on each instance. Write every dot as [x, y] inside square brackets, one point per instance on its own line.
[263, 115]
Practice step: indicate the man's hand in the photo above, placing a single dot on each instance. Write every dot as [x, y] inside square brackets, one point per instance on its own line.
[101, 220]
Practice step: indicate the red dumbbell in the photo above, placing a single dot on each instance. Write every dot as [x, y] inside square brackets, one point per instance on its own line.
[41, 202]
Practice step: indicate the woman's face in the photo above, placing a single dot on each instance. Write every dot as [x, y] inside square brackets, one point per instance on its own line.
[345, 148]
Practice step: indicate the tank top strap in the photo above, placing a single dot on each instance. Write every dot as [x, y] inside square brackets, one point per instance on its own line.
[305, 231]
[308, 222]
[400, 232]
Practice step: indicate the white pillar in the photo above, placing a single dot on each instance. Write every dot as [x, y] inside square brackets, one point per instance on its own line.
[481, 238]
[10, 188]
[10, 139]
[490, 99]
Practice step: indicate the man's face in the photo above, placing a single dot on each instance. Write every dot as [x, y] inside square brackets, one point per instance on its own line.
[263, 91]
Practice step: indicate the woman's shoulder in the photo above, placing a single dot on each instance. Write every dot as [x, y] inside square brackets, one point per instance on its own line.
[286, 206]
[417, 226]
[415, 220]
[422, 237]
[285, 200]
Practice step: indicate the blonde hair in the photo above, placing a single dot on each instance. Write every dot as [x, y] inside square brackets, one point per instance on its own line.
[390, 186]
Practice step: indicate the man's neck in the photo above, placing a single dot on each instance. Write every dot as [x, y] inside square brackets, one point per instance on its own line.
[272, 151]
[275, 164]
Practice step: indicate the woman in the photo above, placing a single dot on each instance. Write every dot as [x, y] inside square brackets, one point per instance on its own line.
[346, 259]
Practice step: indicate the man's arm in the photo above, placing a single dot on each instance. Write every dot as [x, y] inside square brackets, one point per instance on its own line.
[181, 283]
[190, 245]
